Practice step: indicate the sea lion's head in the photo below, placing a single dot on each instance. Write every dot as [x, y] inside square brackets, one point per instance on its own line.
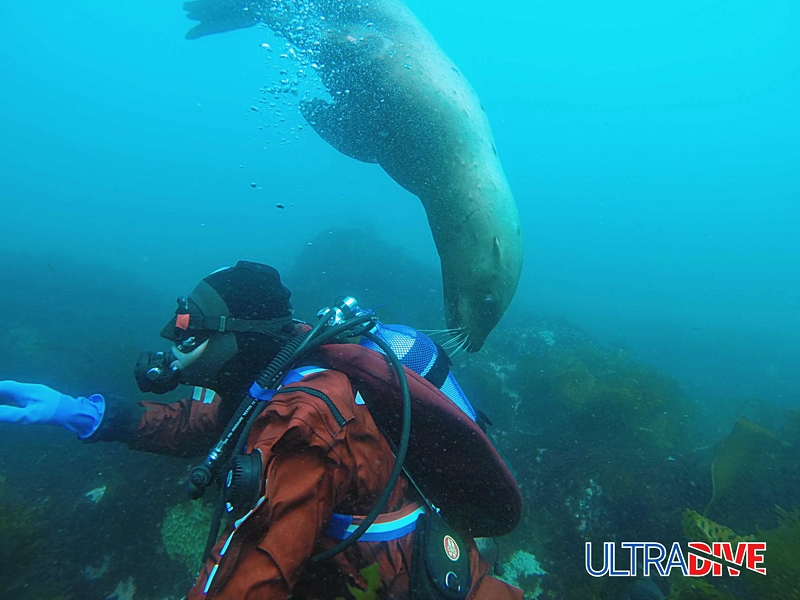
[477, 293]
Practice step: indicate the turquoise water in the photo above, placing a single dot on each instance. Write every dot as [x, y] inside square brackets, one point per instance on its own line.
[651, 148]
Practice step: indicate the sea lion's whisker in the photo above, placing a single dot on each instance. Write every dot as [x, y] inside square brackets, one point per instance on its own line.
[449, 346]
[443, 337]
[455, 331]
[450, 340]
[456, 352]
[462, 346]
[454, 341]
[469, 343]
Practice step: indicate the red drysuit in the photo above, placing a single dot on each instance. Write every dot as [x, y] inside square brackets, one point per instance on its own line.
[319, 458]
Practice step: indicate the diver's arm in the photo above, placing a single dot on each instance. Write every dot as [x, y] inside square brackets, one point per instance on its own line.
[183, 428]
[119, 422]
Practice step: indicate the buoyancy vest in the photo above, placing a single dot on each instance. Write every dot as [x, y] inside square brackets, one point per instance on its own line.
[450, 459]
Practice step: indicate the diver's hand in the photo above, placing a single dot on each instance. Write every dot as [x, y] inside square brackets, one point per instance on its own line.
[36, 403]
[219, 16]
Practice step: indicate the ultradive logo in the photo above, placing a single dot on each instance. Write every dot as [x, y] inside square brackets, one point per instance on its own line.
[704, 559]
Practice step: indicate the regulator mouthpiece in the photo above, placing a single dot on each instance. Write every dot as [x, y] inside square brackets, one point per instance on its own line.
[154, 372]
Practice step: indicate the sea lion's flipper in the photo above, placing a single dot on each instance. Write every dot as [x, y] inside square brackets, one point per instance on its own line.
[340, 126]
[219, 16]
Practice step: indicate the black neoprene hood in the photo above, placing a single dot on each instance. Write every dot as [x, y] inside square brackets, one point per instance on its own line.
[250, 291]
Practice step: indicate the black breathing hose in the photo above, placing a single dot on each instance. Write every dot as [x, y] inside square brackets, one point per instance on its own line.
[247, 414]
[251, 408]
[405, 436]
[216, 519]
[202, 475]
[298, 354]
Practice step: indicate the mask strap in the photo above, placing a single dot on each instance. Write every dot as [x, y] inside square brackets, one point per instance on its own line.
[282, 327]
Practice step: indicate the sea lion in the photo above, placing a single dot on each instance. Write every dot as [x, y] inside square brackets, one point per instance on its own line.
[400, 102]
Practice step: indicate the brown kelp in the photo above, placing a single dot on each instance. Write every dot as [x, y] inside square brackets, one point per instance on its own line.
[782, 581]
[753, 470]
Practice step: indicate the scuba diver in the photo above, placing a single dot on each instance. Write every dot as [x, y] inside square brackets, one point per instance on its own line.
[344, 469]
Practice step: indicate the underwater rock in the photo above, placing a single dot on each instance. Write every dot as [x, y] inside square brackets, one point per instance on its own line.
[184, 532]
[360, 263]
[19, 539]
[790, 429]
[23, 340]
[642, 589]
[694, 588]
[547, 337]
[597, 440]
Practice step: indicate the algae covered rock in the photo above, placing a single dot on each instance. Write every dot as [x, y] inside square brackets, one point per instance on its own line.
[524, 571]
[599, 442]
[19, 539]
[184, 532]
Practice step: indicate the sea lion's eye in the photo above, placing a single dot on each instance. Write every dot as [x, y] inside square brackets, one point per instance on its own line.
[490, 307]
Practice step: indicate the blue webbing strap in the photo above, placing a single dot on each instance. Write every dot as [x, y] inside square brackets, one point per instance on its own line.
[341, 526]
[293, 376]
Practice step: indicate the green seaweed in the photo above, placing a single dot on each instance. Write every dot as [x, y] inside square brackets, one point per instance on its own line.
[372, 580]
[782, 581]
[746, 453]
[754, 469]
[598, 441]
[696, 527]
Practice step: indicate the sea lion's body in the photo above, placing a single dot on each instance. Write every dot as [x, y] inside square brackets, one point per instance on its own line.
[402, 103]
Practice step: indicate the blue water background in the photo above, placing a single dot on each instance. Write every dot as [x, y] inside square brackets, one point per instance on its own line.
[652, 149]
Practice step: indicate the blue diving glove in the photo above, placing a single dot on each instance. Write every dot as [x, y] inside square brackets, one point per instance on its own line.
[36, 403]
